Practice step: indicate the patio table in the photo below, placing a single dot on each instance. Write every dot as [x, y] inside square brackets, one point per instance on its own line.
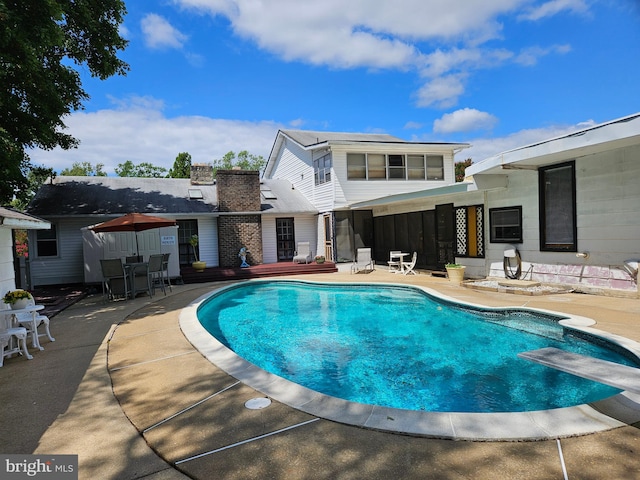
[400, 256]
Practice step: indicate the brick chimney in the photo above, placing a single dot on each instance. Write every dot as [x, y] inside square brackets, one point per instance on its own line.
[239, 224]
[201, 174]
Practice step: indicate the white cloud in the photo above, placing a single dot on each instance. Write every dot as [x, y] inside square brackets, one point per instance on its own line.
[140, 132]
[159, 33]
[441, 92]
[465, 120]
[529, 56]
[441, 40]
[554, 7]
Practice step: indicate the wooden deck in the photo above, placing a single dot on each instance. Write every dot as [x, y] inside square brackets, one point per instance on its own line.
[216, 274]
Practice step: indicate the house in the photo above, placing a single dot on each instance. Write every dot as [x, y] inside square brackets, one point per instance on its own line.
[236, 209]
[12, 220]
[336, 170]
[564, 210]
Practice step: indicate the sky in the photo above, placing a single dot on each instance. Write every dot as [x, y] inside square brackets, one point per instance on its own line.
[212, 76]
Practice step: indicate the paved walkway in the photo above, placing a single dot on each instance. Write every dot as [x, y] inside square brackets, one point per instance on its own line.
[122, 388]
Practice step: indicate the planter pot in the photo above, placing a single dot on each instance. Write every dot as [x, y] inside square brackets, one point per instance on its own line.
[456, 275]
[199, 266]
[20, 304]
[319, 261]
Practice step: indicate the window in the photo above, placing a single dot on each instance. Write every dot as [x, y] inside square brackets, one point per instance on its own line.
[186, 228]
[47, 242]
[356, 166]
[506, 225]
[435, 167]
[470, 231]
[396, 167]
[322, 169]
[380, 166]
[415, 167]
[376, 166]
[557, 197]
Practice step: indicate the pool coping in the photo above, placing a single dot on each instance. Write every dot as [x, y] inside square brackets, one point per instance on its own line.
[614, 412]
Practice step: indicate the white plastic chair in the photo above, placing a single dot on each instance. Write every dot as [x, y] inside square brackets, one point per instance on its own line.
[303, 254]
[363, 261]
[408, 267]
[394, 261]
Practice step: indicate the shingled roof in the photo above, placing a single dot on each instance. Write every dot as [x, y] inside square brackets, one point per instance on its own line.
[68, 195]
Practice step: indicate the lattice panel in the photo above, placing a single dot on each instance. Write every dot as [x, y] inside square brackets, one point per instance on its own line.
[480, 230]
[461, 231]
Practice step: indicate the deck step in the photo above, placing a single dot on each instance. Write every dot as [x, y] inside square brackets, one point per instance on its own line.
[216, 274]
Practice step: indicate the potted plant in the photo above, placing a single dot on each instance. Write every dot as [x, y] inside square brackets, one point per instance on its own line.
[197, 265]
[455, 272]
[319, 259]
[18, 299]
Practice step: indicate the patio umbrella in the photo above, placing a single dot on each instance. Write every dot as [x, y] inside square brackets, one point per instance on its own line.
[133, 222]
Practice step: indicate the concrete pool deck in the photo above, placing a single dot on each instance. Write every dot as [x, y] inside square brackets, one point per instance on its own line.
[127, 363]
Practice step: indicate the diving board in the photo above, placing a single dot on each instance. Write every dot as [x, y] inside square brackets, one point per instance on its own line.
[609, 373]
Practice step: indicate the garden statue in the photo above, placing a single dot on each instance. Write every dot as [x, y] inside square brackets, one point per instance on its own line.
[243, 257]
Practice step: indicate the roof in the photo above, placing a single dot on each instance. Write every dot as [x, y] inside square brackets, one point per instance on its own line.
[309, 138]
[68, 195]
[287, 198]
[617, 133]
[10, 218]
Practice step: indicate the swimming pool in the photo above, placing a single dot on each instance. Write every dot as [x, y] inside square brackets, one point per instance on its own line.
[398, 347]
[380, 414]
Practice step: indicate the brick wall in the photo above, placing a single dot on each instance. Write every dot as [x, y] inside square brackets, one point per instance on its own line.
[239, 191]
[235, 232]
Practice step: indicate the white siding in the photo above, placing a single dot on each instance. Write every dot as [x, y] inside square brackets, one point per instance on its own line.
[304, 231]
[68, 266]
[208, 236]
[269, 243]
[352, 191]
[296, 165]
[608, 224]
[7, 274]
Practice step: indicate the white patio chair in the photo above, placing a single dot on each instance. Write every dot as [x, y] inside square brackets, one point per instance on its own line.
[363, 261]
[31, 321]
[303, 254]
[394, 261]
[408, 267]
[12, 339]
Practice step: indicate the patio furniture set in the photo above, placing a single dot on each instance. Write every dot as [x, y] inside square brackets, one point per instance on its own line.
[17, 324]
[364, 262]
[133, 276]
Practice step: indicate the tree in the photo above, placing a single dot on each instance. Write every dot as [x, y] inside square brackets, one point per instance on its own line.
[244, 160]
[181, 166]
[460, 166]
[36, 176]
[42, 46]
[84, 169]
[144, 169]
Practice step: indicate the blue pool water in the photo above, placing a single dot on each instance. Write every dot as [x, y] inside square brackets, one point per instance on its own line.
[400, 347]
